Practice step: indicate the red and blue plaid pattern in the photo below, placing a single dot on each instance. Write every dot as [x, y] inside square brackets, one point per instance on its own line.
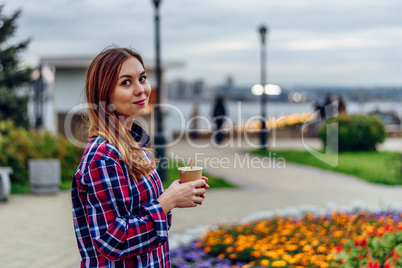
[118, 222]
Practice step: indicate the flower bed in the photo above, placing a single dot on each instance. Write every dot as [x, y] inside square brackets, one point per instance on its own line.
[338, 239]
[194, 256]
[374, 252]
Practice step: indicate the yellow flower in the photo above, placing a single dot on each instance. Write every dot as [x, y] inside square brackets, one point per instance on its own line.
[315, 243]
[265, 262]
[291, 247]
[278, 264]
[322, 249]
[271, 254]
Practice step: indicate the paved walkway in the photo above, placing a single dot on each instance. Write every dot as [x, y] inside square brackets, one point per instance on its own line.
[36, 231]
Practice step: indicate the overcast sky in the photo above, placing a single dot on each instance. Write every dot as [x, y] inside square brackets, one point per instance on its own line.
[310, 42]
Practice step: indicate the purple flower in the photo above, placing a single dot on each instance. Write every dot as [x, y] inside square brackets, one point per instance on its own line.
[192, 256]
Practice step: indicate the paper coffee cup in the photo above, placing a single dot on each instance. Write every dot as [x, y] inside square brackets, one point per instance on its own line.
[187, 174]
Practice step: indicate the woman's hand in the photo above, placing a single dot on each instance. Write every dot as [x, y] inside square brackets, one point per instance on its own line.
[183, 195]
[206, 186]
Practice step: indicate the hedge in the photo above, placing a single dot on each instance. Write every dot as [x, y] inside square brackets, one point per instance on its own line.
[18, 145]
[354, 133]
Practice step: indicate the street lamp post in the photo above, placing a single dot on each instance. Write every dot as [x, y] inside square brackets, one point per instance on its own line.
[159, 140]
[263, 132]
[38, 86]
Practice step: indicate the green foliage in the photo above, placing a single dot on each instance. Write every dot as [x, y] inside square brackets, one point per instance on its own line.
[375, 167]
[18, 145]
[355, 133]
[384, 250]
[12, 74]
[13, 107]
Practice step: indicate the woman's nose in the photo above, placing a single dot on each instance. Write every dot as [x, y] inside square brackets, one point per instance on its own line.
[139, 89]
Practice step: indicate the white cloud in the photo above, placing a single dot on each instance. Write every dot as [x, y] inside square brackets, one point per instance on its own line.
[379, 38]
[223, 46]
[219, 38]
[335, 43]
[309, 45]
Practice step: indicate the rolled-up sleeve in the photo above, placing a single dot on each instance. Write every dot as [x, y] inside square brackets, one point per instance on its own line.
[117, 232]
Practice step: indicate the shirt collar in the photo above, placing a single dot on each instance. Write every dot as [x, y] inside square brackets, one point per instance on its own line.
[139, 135]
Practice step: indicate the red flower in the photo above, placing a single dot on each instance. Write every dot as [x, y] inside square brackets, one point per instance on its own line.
[363, 242]
[375, 264]
[395, 255]
[389, 228]
[388, 265]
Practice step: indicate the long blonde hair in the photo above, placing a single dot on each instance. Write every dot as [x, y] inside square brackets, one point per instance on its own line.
[101, 80]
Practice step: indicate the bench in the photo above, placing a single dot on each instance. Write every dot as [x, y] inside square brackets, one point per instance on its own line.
[5, 185]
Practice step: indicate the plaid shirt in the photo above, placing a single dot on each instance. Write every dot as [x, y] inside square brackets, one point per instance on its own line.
[118, 222]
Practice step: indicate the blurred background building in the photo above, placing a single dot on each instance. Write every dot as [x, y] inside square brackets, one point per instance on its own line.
[64, 92]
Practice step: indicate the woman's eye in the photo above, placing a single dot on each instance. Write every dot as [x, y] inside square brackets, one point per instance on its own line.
[143, 78]
[126, 83]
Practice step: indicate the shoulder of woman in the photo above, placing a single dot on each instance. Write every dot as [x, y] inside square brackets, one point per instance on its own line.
[98, 155]
[98, 149]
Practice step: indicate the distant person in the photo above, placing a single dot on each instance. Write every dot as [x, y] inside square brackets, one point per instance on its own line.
[341, 106]
[218, 115]
[121, 213]
[194, 121]
[319, 108]
[328, 107]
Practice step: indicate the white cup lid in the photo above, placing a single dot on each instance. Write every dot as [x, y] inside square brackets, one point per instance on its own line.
[189, 168]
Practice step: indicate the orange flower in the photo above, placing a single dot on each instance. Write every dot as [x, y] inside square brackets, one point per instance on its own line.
[265, 262]
[256, 254]
[315, 239]
[278, 263]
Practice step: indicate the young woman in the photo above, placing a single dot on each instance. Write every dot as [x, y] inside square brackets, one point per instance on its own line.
[121, 212]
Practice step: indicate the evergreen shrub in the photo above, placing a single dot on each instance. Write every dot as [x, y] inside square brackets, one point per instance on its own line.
[355, 132]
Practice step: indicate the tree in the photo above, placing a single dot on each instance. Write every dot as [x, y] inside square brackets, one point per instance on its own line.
[12, 74]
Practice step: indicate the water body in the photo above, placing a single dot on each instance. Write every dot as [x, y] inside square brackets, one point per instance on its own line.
[179, 112]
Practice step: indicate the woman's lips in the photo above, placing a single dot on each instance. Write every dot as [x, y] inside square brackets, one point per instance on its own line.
[141, 102]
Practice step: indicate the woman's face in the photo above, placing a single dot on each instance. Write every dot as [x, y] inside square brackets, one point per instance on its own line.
[131, 93]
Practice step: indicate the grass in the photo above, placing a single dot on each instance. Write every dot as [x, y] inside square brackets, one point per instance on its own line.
[374, 167]
[26, 188]
[20, 188]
